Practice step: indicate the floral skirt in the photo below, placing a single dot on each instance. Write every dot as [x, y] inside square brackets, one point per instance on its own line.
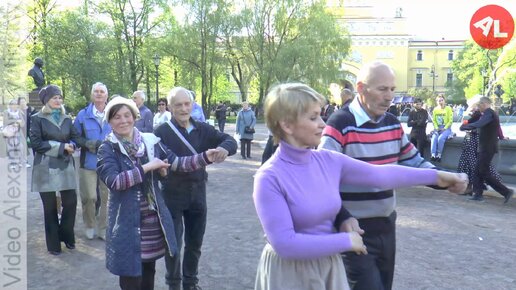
[469, 156]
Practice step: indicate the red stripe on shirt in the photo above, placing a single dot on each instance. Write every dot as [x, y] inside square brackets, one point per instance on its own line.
[376, 137]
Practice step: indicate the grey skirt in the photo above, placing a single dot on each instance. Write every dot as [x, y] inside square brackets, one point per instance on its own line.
[276, 273]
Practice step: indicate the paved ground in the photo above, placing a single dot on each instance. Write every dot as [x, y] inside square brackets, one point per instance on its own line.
[444, 241]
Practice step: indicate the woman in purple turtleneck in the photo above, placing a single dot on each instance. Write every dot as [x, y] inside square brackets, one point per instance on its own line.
[296, 194]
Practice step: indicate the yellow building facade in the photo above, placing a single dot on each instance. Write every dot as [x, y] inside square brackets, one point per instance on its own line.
[418, 63]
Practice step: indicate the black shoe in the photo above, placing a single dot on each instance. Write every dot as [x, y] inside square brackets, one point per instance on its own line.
[437, 159]
[192, 287]
[508, 196]
[70, 246]
[55, 253]
[248, 157]
[477, 197]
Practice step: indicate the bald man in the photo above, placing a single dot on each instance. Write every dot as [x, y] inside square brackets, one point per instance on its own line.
[365, 132]
[185, 192]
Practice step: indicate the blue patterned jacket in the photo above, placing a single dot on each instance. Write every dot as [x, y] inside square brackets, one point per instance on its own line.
[124, 179]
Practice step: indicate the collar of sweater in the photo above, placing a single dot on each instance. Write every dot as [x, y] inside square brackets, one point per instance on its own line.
[294, 155]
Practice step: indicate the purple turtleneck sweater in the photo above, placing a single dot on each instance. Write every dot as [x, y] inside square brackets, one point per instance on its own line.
[296, 195]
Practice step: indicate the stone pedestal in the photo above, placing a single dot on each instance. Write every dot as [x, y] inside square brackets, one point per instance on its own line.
[34, 100]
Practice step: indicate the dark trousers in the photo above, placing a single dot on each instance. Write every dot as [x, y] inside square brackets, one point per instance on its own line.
[245, 147]
[374, 271]
[59, 230]
[143, 282]
[187, 204]
[420, 143]
[485, 175]
[222, 123]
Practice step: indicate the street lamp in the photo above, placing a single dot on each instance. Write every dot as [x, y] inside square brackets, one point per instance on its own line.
[484, 82]
[433, 75]
[157, 60]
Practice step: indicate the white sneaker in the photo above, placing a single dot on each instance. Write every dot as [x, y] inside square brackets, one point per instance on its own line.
[27, 165]
[90, 233]
[102, 235]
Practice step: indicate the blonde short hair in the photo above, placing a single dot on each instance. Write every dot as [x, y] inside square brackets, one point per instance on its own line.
[285, 102]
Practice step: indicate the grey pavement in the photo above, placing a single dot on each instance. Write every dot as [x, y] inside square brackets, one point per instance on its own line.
[444, 241]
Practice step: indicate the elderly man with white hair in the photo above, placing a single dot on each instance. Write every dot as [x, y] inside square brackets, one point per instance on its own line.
[185, 193]
[144, 124]
[90, 125]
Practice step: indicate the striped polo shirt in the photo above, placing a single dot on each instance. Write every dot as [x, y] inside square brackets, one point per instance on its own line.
[352, 132]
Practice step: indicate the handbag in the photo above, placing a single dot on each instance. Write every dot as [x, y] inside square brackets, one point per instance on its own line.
[10, 130]
[249, 130]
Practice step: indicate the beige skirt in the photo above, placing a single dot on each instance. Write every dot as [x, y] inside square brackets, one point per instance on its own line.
[276, 273]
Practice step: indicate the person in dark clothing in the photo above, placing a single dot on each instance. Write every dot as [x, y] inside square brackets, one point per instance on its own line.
[327, 110]
[270, 148]
[417, 120]
[53, 138]
[185, 192]
[469, 156]
[220, 115]
[487, 126]
[346, 96]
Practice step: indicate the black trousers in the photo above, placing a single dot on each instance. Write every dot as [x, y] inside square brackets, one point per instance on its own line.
[187, 204]
[419, 142]
[245, 147]
[374, 271]
[221, 123]
[57, 231]
[143, 282]
[485, 175]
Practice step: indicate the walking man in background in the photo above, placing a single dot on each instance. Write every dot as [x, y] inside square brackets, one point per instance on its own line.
[220, 114]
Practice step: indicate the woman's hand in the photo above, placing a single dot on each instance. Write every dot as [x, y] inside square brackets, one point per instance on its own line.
[163, 171]
[155, 164]
[454, 182]
[69, 148]
[357, 244]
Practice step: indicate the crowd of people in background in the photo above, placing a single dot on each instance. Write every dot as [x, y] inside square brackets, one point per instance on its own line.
[142, 176]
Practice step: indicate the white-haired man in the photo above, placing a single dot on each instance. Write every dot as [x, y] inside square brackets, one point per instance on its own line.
[89, 124]
[185, 193]
[144, 124]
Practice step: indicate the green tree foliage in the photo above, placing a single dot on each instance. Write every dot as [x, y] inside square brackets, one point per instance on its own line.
[39, 11]
[509, 86]
[473, 61]
[132, 26]
[79, 52]
[424, 94]
[11, 52]
[292, 40]
[197, 45]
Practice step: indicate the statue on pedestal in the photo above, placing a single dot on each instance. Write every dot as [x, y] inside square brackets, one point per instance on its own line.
[37, 74]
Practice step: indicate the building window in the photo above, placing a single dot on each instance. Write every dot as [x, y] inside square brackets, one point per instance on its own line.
[419, 55]
[449, 79]
[419, 80]
[450, 55]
